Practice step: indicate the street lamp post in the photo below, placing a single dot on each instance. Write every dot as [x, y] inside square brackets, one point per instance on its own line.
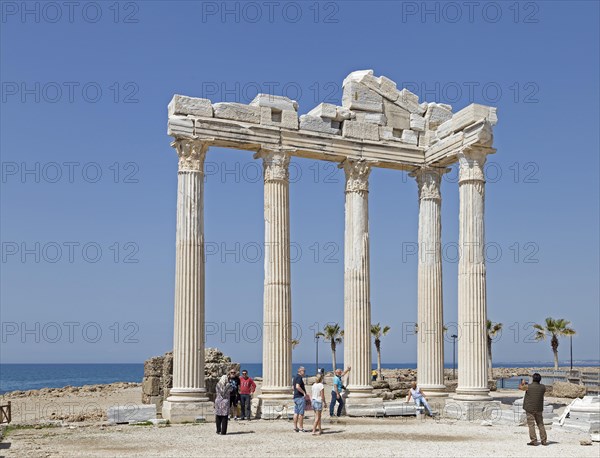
[317, 343]
[571, 339]
[454, 337]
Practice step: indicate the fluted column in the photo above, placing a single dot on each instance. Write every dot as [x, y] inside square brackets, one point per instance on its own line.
[277, 314]
[188, 339]
[472, 305]
[357, 298]
[430, 346]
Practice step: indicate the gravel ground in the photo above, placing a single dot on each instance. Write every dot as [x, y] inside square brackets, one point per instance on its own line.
[351, 437]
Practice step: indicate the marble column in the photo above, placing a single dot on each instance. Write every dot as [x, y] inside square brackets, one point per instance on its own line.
[472, 303]
[357, 298]
[188, 398]
[430, 345]
[277, 311]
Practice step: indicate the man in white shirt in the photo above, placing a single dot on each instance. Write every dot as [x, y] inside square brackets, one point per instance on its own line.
[419, 398]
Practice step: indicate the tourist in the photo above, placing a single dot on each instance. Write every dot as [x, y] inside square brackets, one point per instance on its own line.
[419, 398]
[235, 394]
[299, 400]
[374, 375]
[533, 405]
[336, 392]
[318, 402]
[247, 388]
[222, 400]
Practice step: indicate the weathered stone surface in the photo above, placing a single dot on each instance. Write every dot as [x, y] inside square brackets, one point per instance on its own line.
[167, 364]
[382, 85]
[410, 102]
[180, 124]
[567, 390]
[380, 384]
[151, 386]
[131, 413]
[372, 118]
[357, 96]
[237, 111]
[153, 367]
[417, 122]
[183, 105]
[357, 76]
[397, 117]
[324, 110]
[410, 136]
[467, 116]
[319, 124]
[274, 101]
[360, 130]
[287, 119]
[437, 114]
[388, 133]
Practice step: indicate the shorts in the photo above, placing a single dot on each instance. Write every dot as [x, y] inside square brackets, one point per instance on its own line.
[299, 404]
[317, 405]
[233, 400]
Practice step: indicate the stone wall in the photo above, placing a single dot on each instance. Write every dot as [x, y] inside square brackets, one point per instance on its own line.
[158, 375]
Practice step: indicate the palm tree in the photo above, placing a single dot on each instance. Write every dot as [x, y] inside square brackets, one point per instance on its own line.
[554, 329]
[295, 343]
[333, 334]
[492, 330]
[377, 332]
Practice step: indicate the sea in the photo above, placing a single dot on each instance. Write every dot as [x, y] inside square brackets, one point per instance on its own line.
[35, 376]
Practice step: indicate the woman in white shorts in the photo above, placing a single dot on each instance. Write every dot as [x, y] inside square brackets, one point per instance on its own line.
[318, 402]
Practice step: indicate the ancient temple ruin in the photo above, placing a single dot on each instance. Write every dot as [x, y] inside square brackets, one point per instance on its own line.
[377, 125]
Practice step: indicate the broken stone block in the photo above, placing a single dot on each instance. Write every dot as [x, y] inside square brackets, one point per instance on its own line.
[343, 114]
[360, 130]
[274, 117]
[417, 122]
[397, 118]
[274, 101]
[388, 133]
[410, 102]
[131, 413]
[436, 115]
[237, 112]
[179, 124]
[357, 76]
[357, 96]
[465, 117]
[318, 124]
[372, 118]
[410, 136]
[388, 88]
[151, 386]
[183, 105]
[324, 110]
[153, 366]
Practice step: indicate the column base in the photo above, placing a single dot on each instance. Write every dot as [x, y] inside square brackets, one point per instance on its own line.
[275, 403]
[472, 394]
[434, 391]
[188, 411]
[360, 391]
[473, 410]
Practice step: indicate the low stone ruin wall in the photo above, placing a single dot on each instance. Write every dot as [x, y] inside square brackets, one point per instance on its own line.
[158, 375]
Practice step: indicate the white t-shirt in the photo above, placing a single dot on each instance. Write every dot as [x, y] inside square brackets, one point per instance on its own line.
[316, 392]
[416, 393]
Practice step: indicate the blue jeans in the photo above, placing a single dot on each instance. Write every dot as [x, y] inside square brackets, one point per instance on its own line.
[421, 401]
[246, 403]
[299, 404]
[340, 402]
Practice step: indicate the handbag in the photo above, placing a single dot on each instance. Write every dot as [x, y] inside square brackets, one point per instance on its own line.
[307, 403]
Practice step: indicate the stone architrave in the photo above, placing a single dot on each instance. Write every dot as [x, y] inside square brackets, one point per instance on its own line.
[430, 338]
[277, 311]
[472, 303]
[188, 399]
[357, 299]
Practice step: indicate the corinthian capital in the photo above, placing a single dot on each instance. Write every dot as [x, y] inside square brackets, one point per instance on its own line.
[357, 175]
[428, 182]
[471, 162]
[191, 154]
[275, 165]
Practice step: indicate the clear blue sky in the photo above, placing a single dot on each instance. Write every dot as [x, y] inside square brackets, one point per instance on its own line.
[536, 61]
